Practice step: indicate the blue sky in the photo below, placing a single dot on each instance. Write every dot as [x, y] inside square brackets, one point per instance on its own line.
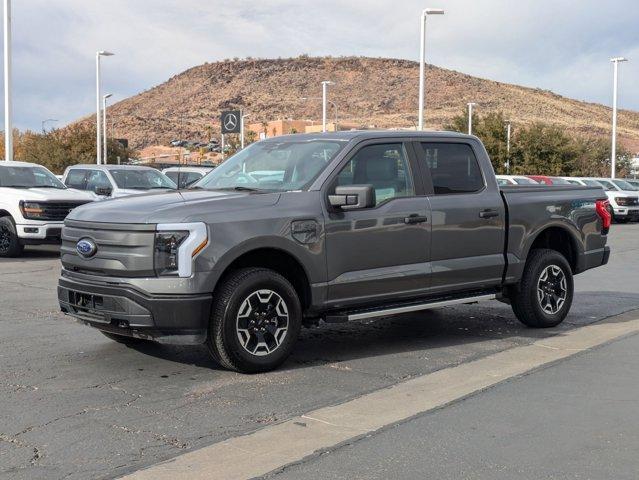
[559, 45]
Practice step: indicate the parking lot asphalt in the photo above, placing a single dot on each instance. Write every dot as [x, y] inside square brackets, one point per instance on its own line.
[74, 404]
[574, 420]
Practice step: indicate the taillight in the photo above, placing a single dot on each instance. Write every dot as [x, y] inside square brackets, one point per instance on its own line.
[601, 206]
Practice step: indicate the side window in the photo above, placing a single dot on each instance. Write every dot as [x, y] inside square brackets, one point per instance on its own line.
[384, 166]
[453, 168]
[97, 179]
[189, 178]
[76, 179]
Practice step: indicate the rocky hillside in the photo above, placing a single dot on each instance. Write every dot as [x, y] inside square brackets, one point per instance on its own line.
[369, 91]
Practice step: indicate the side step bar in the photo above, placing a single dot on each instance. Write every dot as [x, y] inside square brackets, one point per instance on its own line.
[394, 310]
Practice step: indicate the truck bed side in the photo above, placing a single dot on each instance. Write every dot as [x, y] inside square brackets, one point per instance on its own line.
[565, 216]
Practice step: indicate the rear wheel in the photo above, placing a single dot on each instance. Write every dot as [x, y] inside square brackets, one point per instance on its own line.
[10, 245]
[255, 322]
[545, 293]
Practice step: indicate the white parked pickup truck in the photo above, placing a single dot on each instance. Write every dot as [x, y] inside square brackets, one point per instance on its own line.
[33, 206]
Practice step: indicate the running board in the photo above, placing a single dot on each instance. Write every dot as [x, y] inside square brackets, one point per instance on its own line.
[395, 310]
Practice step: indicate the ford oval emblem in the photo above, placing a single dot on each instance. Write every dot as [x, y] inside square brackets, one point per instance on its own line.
[86, 247]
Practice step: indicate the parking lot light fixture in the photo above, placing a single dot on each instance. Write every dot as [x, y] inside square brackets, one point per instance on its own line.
[8, 113]
[104, 124]
[325, 85]
[98, 99]
[470, 117]
[242, 117]
[615, 85]
[422, 61]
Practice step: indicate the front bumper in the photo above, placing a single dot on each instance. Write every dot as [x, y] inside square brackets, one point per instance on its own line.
[173, 319]
[38, 233]
[626, 212]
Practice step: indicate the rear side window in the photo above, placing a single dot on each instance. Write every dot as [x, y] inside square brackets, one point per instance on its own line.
[76, 179]
[453, 168]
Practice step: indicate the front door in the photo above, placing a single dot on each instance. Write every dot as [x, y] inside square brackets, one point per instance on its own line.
[379, 253]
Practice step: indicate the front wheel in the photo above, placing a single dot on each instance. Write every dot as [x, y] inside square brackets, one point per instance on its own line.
[255, 322]
[10, 245]
[545, 293]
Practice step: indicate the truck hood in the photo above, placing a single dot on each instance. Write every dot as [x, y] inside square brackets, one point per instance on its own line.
[45, 194]
[173, 207]
[125, 192]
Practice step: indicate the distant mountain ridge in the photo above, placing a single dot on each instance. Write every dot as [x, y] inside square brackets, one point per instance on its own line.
[368, 91]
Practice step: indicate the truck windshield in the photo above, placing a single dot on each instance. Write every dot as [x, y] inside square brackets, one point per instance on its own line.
[625, 185]
[28, 177]
[275, 166]
[135, 179]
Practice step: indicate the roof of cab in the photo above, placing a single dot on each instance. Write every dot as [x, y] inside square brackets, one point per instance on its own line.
[18, 164]
[370, 134]
[111, 167]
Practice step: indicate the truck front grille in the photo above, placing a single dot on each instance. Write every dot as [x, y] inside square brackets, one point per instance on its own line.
[57, 211]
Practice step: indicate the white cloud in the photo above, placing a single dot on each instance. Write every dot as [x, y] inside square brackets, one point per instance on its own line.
[562, 45]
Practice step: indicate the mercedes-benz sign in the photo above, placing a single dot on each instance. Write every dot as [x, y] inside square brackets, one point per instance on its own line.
[230, 121]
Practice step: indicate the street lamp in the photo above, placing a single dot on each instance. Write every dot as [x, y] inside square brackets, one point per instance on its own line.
[8, 126]
[44, 122]
[508, 134]
[615, 84]
[242, 117]
[104, 126]
[422, 60]
[99, 54]
[328, 101]
[470, 117]
[325, 85]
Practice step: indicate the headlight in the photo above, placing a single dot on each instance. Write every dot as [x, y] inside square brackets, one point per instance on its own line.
[176, 246]
[622, 201]
[31, 210]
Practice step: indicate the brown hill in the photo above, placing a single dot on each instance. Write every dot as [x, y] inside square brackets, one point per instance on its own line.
[369, 91]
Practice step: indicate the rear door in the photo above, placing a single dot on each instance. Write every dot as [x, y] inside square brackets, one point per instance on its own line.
[467, 215]
[379, 253]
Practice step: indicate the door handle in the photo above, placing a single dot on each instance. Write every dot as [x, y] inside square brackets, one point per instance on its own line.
[488, 214]
[415, 218]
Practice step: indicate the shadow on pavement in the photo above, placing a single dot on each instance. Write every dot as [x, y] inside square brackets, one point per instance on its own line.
[458, 327]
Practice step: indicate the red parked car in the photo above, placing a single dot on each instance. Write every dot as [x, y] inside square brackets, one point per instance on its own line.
[545, 180]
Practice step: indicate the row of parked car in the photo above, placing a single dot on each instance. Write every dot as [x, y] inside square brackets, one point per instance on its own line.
[623, 194]
[34, 202]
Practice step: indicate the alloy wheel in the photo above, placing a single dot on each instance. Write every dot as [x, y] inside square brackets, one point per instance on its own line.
[552, 289]
[262, 322]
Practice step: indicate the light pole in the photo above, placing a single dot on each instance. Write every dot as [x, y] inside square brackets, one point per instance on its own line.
[8, 124]
[44, 122]
[328, 101]
[325, 85]
[422, 60]
[104, 126]
[615, 84]
[98, 129]
[242, 117]
[470, 117]
[508, 132]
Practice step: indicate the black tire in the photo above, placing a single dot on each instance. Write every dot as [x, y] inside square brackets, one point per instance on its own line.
[272, 320]
[540, 303]
[124, 339]
[10, 245]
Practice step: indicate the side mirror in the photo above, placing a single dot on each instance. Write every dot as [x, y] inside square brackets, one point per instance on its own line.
[353, 197]
[104, 191]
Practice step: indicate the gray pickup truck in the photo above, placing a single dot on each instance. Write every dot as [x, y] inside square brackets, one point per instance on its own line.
[334, 227]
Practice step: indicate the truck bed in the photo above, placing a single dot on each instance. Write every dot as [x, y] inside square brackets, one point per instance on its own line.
[568, 209]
